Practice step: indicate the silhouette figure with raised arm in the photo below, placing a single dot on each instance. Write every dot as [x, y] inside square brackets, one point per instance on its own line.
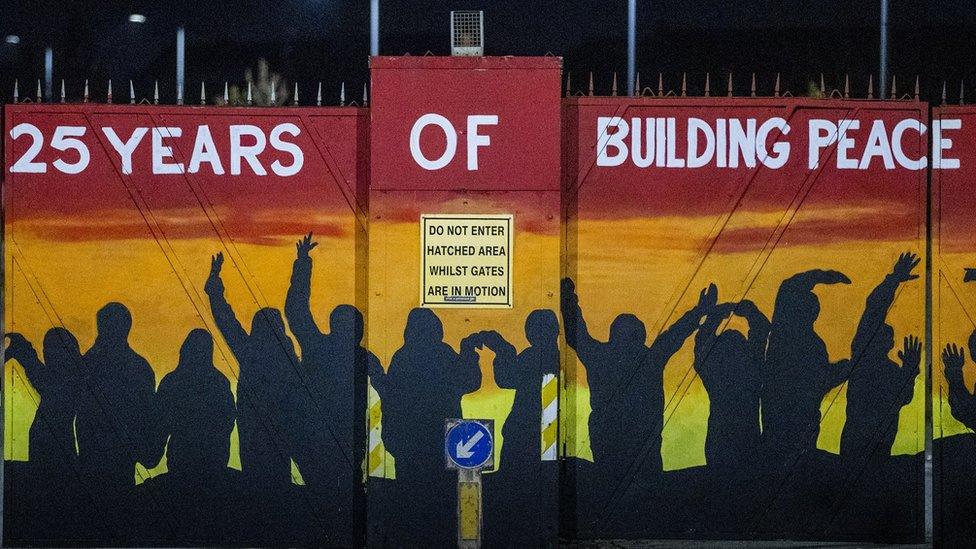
[877, 386]
[195, 412]
[115, 418]
[524, 373]
[422, 388]
[51, 442]
[267, 413]
[626, 382]
[331, 446]
[730, 367]
[961, 401]
[522, 477]
[798, 372]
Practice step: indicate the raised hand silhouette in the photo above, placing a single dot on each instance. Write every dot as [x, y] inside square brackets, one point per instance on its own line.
[523, 479]
[214, 284]
[18, 347]
[797, 372]
[878, 388]
[961, 401]
[708, 298]
[329, 446]
[911, 353]
[626, 384]
[953, 358]
[268, 409]
[970, 275]
[305, 245]
[51, 442]
[903, 268]
[730, 367]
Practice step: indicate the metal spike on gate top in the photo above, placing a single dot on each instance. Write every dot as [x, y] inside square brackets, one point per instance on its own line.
[613, 89]
[916, 87]
[943, 93]
[342, 94]
[591, 84]
[274, 93]
[569, 77]
[847, 86]
[84, 97]
[752, 89]
[730, 84]
[108, 96]
[156, 92]
[637, 88]
[203, 93]
[318, 96]
[871, 87]
[823, 88]
[894, 90]
[365, 96]
[684, 84]
[660, 85]
[132, 93]
[776, 87]
[250, 97]
[38, 98]
[294, 99]
[708, 78]
[62, 90]
[16, 90]
[226, 94]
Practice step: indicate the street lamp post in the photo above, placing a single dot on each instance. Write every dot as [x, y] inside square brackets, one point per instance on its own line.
[631, 43]
[374, 27]
[883, 76]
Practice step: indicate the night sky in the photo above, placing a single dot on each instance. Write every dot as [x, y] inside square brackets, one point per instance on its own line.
[327, 40]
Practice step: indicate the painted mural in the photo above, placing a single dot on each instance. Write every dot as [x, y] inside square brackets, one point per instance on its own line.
[745, 312]
[716, 325]
[180, 362]
[954, 447]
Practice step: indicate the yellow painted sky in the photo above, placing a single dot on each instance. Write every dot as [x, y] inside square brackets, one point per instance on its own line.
[954, 320]
[643, 268]
[646, 265]
[65, 283]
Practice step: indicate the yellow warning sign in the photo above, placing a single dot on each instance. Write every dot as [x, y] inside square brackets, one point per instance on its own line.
[466, 260]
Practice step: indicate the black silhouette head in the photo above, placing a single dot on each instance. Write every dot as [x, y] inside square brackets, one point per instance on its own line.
[627, 331]
[423, 328]
[197, 350]
[542, 328]
[61, 351]
[729, 343]
[114, 321]
[805, 309]
[267, 325]
[347, 322]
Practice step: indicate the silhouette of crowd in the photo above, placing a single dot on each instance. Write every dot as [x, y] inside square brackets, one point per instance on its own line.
[303, 408]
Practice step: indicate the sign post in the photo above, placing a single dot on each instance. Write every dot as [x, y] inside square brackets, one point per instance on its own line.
[469, 447]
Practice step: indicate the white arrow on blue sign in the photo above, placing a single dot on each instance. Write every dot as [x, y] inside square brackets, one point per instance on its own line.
[468, 443]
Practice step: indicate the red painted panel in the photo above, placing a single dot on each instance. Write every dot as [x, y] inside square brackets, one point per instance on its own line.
[523, 153]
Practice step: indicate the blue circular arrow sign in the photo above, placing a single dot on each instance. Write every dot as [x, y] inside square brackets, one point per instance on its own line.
[469, 444]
